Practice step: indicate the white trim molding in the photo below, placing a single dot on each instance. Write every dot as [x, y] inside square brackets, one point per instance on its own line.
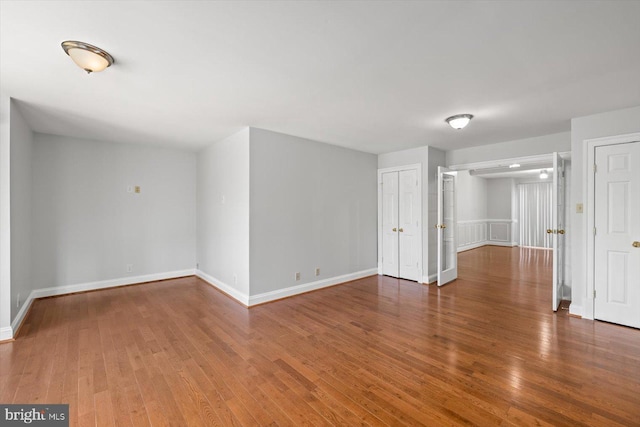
[308, 287]
[6, 333]
[85, 287]
[479, 232]
[241, 297]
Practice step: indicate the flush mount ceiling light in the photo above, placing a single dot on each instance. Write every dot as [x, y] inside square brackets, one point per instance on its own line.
[88, 57]
[459, 120]
[515, 165]
[544, 174]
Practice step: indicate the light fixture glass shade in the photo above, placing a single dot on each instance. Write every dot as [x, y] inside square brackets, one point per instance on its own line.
[544, 174]
[515, 165]
[459, 121]
[89, 58]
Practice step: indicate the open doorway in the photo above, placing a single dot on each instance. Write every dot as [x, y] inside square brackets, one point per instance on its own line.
[516, 203]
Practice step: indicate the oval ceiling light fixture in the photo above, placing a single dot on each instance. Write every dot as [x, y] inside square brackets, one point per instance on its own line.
[544, 174]
[515, 165]
[459, 121]
[88, 57]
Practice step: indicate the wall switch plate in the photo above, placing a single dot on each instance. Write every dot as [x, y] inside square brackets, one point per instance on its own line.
[297, 276]
[129, 268]
[317, 271]
[579, 208]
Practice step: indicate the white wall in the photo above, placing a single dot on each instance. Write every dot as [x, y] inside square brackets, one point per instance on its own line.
[5, 218]
[87, 227]
[471, 197]
[21, 196]
[612, 123]
[312, 205]
[546, 144]
[223, 214]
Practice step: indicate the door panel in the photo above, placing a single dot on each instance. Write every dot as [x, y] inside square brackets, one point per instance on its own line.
[390, 224]
[447, 246]
[558, 239]
[617, 227]
[408, 226]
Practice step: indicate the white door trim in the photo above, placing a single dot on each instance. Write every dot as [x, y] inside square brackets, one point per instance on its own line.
[589, 177]
[418, 168]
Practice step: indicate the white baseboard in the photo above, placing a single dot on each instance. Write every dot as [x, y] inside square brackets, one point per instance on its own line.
[83, 287]
[104, 284]
[229, 290]
[472, 246]
[429, 279]
[495, 243]
[576, 310]
[6, 333]
[307, 287]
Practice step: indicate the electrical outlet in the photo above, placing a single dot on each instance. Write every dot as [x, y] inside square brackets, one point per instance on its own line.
[18, 301]
[137, 188]
[317, 271]
[297, 276]
[129, 268]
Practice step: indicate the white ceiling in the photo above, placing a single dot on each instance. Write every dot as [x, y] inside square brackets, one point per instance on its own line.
[373, 76]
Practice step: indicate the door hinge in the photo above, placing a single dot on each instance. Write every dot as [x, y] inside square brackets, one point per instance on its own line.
[595, 167]
[594, 231]
[594, 294]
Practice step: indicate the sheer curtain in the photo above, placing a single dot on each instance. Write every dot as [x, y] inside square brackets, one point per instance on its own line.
[535, 203]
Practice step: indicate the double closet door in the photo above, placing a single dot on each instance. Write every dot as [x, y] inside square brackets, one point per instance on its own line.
[401, 225]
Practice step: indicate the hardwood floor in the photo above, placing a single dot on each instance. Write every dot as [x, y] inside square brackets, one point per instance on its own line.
[485, 350]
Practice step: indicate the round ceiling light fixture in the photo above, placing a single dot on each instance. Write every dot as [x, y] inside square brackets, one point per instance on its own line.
[459, 121]
[88, 57]
[544, 174]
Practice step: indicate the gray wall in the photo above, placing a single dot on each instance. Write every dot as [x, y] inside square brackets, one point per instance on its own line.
[471, 197]
[436, 158]
[312, 205]
[87, 227]
[223, 211]
[499, 198]
[21, 202]
[612, 123]
[5, 218]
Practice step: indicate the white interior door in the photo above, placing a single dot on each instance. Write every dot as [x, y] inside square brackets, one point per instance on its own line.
[558, 238]
[447, 246]
[390, 266]
[409, 225]
[617, 234]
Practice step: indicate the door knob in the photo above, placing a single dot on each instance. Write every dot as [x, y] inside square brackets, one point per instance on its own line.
[560, 231]
[549, 231]
[394, 229]
[401, 230]
[443, 226]
[636, 244]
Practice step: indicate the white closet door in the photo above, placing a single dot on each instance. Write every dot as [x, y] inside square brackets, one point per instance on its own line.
[390, 255]
[617, 234]
[408, 226]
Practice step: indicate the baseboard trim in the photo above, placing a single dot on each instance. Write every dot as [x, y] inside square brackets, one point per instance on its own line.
[224, 288]
[308, 287]
[472, 246]
[575, 310]
[495, 243]
[430, 279]
[6, 334]
[85, 287]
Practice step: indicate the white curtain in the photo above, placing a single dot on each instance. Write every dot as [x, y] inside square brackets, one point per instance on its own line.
[535, 204]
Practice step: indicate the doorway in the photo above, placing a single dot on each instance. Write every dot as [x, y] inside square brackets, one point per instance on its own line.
[400, 222]
[498, 225]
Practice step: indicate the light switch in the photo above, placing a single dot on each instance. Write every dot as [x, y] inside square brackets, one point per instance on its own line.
[137, 188]
[579, 208]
